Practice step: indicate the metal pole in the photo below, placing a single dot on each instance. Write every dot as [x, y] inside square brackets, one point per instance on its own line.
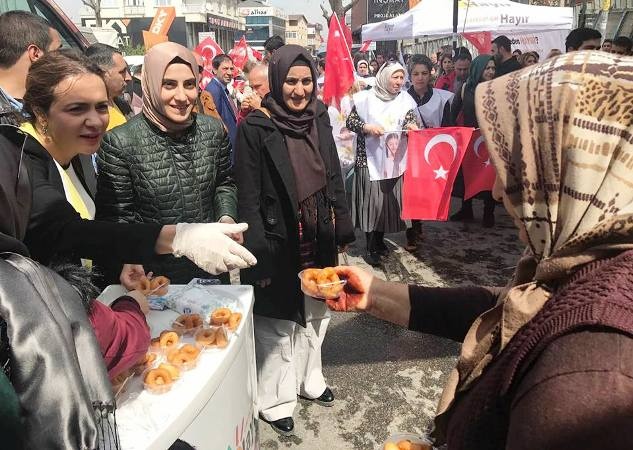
[455, 20]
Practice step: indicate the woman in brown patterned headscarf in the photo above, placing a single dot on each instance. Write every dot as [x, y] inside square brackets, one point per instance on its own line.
[546, 362]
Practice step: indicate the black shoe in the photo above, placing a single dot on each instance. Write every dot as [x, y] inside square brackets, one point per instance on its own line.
[381, 248]
[326, 399]
[284, 426]
[373, 259]
[377, 243]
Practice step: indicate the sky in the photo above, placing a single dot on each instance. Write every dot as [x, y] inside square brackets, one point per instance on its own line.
[309, 8]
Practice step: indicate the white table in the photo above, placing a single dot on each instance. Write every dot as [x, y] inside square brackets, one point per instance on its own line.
[212, 406]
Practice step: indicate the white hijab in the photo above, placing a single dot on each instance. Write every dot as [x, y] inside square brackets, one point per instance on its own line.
[383, 77]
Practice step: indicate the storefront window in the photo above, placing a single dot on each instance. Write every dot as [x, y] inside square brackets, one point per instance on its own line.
[257, 20]
[258, 34]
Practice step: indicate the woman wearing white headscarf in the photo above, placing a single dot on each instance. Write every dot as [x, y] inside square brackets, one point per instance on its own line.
[376, 205]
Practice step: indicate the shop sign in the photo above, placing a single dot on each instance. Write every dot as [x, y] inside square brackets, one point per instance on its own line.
[265, 11]
[223, 22]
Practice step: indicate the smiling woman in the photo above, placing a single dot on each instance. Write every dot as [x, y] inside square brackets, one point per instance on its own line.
[291, 194]
[179, 92]
[66, 98]
[168, 164]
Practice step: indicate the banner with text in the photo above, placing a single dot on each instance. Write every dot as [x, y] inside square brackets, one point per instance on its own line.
[541, 42]
[379, 10]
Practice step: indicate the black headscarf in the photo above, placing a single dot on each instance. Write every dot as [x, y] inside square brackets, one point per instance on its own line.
[299, 128]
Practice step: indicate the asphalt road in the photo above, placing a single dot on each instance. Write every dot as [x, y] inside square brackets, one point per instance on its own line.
[387, 379]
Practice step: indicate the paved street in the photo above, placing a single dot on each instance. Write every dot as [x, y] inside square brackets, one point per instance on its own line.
[387, 379]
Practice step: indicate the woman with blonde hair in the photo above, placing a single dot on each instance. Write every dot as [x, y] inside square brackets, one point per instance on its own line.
[528, 59]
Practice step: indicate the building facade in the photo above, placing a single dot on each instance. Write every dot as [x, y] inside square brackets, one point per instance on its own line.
[297, 30]
[130, 17]
[612, 17]
[261, 22]
[314, 37]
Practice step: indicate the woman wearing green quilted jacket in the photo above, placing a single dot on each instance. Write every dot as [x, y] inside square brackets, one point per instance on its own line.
[167, 165]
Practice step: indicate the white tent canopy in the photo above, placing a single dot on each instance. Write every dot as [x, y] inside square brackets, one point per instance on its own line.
[435, 17]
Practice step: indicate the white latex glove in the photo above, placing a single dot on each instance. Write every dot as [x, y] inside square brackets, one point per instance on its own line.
[210, 247]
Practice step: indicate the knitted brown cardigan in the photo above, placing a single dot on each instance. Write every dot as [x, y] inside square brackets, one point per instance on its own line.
[584, 333]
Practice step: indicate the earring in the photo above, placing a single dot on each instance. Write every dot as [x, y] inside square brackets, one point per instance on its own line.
[47, 138]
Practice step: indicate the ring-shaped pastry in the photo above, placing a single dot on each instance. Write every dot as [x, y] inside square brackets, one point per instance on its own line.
[168, 339]
[220, 316]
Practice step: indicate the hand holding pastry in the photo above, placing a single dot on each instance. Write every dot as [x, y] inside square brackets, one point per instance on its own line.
[354, 296]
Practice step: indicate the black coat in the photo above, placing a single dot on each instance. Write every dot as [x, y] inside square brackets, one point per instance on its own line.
[267, 201]
[56, 232]
[507, 67]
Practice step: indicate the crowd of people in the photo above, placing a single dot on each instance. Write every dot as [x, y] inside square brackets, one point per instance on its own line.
[199, 182]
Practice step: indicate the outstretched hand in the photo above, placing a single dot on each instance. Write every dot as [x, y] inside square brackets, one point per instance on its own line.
[211, 247]
[355, 292]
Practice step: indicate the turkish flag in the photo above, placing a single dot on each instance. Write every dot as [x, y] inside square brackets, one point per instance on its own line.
[363, 48]
[346, 32]
[255, 54]
[339, 68]
[433, 159]
[205, 78]
[482, 41]
[239, 85]
[208, 49]
[239, 53]
[479, 173]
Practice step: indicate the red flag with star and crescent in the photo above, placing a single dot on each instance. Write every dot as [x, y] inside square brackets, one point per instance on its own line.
[208, 49]
[433, 159]
[479, 173]
[339, 68]
[239, 53]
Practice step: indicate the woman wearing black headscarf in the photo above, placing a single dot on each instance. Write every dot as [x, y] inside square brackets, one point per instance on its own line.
[291, 194]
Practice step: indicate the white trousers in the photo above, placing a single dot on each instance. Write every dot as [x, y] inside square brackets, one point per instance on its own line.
[289, 360]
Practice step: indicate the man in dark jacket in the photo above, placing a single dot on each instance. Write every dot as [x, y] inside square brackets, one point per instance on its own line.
[25, 37]
[502, 53]
[223, 74]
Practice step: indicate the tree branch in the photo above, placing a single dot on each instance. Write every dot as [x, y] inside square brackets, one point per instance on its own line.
[348, 7]
[326, 15]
